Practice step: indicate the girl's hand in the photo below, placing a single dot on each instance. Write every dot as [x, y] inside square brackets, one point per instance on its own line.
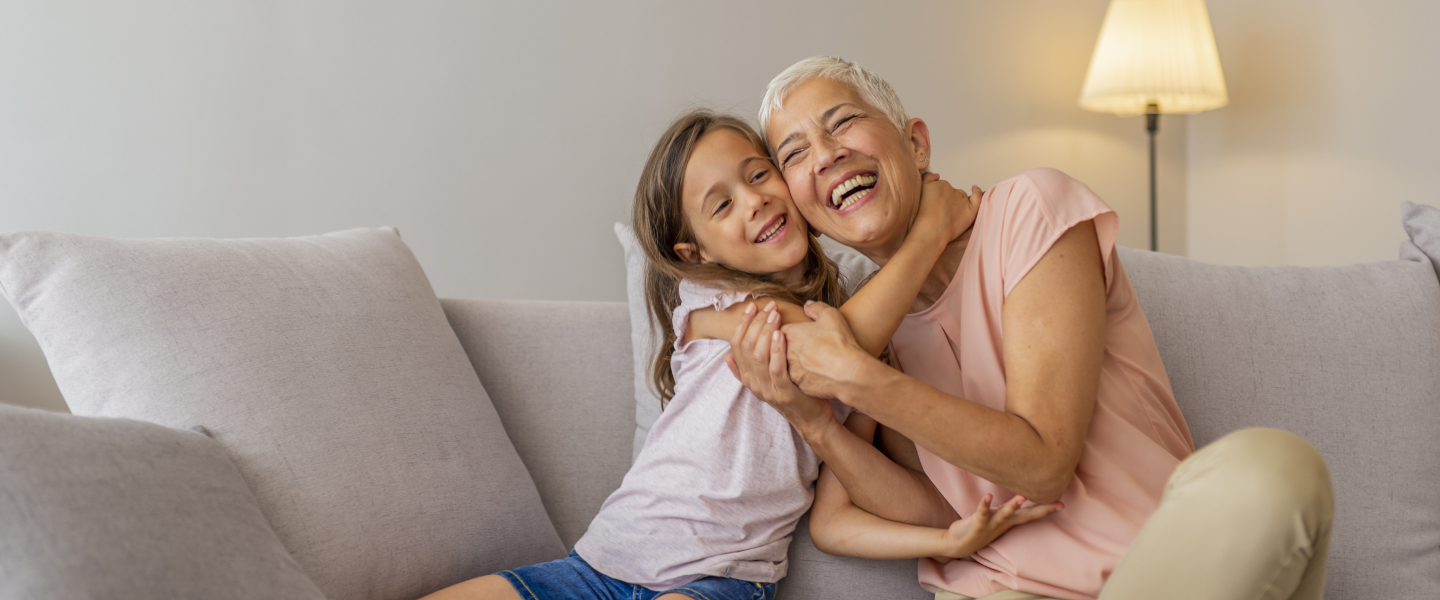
[967, 536]
[946, 212]
[757, 358]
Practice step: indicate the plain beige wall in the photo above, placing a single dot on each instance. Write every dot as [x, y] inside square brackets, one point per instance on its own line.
[1331, 125]
[503, 139]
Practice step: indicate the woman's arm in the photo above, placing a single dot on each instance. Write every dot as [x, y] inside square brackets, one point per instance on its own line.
[1053, 352]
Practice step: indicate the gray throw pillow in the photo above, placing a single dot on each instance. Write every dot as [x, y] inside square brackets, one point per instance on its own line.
[113, 508]
[325, 367]
[1422, 223]
[853, 268]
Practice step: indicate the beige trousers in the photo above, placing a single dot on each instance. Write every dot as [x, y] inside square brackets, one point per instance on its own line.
[1247, 517]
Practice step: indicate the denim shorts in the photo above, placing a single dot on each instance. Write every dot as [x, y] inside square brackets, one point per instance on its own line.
[573, 578]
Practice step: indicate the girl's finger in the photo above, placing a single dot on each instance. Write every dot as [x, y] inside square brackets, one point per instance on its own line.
[1009, 508]
[929, 177]
[982, 512]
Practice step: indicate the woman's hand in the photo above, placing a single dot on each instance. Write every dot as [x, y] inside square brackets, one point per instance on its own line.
[967, 536]
[757, 358]
[823, 355]
[945, 212]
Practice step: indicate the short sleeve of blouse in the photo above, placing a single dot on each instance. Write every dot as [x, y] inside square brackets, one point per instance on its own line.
[695, 296]
[1037, 207]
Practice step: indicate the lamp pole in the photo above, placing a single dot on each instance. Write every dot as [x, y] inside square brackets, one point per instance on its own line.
[1152, 124]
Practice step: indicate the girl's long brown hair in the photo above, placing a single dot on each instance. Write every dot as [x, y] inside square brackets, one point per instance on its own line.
[660, 224]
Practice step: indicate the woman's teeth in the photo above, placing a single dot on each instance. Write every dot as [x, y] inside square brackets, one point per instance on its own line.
[770, 233]
[838, 197]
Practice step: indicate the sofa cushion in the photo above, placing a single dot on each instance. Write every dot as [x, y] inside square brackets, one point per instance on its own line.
[1347, 358]
[562, 391]
[1422, 223]
[853, 269]
[325, 367]
[113, 508]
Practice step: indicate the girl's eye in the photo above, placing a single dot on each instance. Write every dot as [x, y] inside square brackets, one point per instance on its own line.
[759, 175]
[721, 206]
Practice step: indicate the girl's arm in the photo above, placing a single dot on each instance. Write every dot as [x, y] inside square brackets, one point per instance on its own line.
[839, 527]
[877, 308]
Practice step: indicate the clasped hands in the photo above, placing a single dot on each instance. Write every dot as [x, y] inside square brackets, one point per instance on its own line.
[796, 367]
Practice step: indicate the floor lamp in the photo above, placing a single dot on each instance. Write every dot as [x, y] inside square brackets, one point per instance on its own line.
[1154, 57]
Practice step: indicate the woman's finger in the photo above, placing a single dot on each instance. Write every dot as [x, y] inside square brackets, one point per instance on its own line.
[779, 370]
[754, 337]
[741, 326]
[752, 333]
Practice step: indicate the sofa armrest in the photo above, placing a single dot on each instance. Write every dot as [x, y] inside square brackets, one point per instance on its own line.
[559, 374]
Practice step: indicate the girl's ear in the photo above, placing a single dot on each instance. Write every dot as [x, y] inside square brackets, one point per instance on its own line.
[689, 253]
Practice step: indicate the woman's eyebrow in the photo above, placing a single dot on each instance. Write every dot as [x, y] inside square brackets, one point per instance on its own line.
[825, 116]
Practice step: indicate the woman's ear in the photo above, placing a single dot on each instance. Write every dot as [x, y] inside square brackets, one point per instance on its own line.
[918, 134]
[689, 253]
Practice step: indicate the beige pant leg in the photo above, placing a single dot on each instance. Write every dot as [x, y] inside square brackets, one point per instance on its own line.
[1247, 517]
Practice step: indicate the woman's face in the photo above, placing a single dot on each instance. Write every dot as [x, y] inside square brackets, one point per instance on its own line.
[854, 176]
[740, 210]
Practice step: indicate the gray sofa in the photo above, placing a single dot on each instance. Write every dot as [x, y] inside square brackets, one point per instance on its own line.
[1347, 357]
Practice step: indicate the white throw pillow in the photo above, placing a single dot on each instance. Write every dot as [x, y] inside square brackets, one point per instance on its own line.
[853, 268]
[325, 367]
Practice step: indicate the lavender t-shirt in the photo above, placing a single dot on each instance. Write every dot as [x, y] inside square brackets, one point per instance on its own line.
[720, 484]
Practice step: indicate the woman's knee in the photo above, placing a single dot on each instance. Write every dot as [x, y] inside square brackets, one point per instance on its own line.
[1264, 467]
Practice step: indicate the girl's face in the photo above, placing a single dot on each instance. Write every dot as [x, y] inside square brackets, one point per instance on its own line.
[740, 210]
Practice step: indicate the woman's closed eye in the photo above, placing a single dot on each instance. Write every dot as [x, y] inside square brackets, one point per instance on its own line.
[842, 122]
[790, 155]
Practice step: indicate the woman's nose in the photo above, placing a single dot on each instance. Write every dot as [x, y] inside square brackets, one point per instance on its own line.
[828, 152]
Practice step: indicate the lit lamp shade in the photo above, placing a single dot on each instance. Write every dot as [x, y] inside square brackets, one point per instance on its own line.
[1155, 52]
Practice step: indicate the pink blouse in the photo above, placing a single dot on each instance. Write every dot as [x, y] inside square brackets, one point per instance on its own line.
[1137, 435]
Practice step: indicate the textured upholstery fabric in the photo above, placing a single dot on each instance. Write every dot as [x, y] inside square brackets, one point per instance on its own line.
[815, 575]
[853, 269]
[325, 367]
[1349, 359]
[560, 376]
[112, 508]
[1422, 223]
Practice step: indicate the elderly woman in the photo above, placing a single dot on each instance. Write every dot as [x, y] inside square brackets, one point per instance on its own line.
[1026, 366]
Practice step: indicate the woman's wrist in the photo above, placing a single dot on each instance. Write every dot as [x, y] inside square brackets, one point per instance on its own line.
[864, 374]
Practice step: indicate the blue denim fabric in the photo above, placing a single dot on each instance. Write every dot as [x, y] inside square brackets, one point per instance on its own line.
[571, 578]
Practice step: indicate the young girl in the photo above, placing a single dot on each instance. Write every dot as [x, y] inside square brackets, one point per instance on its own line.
[709, 506]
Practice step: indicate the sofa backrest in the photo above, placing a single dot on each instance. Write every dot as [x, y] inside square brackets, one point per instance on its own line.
[559, 374]
[1346, 357]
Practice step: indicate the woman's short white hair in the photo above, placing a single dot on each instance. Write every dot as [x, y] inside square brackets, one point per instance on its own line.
[871, 88]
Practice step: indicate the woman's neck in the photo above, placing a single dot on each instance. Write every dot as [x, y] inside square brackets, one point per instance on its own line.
[942, 273]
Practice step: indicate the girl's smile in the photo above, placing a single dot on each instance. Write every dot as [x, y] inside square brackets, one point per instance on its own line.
[739, 209]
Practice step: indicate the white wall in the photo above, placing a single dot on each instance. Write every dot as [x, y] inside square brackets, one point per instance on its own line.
[1331, 125]
[502, 138]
